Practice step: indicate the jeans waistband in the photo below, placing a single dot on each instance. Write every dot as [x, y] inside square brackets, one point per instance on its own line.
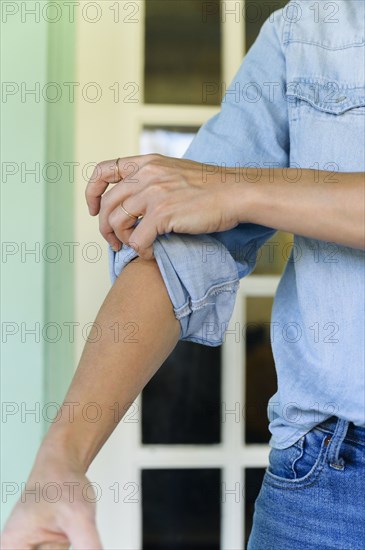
[349, 430]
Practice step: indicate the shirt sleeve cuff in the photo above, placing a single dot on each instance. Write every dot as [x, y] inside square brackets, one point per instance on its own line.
[201, 278]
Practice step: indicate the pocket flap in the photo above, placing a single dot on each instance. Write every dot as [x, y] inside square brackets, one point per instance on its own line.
[330, 96]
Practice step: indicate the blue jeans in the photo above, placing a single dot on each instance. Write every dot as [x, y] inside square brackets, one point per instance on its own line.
[313, 493]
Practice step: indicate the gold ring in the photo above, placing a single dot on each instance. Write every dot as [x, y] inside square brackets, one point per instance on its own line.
[117, 167]
[130, 215]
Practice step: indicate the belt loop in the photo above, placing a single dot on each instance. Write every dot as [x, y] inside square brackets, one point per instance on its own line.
[333, 458]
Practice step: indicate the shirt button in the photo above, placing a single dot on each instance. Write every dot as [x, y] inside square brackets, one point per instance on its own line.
[327, 440]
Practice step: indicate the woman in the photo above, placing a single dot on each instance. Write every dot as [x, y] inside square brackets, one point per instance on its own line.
[286, 152]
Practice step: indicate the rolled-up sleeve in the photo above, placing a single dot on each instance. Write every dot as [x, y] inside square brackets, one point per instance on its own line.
[202, 272]
[201, 279]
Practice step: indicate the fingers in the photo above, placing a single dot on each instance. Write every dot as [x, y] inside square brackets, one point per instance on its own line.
[82, 535]
[111, 214]
[108, 172]
[140, 235]
[104, 173]
[53, 546]
[13, 543]
[123, 225]
[115, 225]
[143, 237]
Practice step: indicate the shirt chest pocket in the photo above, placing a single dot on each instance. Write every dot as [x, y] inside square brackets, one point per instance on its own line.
[327, 125]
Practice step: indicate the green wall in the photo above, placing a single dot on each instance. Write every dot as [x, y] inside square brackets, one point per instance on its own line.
[59, 212]
[35, 290]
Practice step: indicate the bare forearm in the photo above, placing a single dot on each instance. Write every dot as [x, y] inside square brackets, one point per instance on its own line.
[115, 368]
[318, 204]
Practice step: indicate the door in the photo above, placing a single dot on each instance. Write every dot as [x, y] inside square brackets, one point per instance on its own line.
[183, 468]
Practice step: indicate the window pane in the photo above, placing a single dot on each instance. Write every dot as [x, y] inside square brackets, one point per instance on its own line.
[182, 51]
[181, 403]
[253, 482]
[171, 141]
[256, 12]
[273, 255]
[181, 509]
[260, 369]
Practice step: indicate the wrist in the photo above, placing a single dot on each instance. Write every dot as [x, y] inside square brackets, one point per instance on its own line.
[62, 445]
[242, 197]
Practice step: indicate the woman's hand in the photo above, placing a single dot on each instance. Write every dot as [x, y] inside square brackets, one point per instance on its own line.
[60, 512]
[172, 194]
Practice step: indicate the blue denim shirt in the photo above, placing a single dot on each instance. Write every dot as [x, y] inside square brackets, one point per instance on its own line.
[297, 100]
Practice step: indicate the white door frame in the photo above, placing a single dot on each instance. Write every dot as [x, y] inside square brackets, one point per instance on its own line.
[112, 129]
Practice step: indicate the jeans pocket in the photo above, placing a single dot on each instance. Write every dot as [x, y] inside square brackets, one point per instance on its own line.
[299, 464]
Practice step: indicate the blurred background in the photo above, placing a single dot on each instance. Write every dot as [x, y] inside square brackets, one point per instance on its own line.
[84, 82]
